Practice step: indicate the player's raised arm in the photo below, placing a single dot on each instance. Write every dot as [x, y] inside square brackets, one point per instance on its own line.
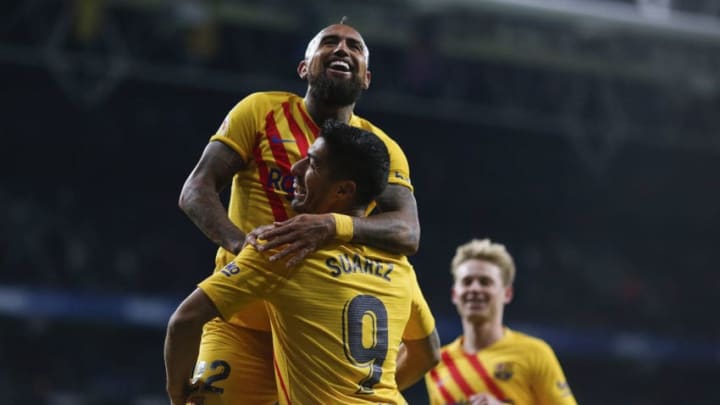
[200, 195]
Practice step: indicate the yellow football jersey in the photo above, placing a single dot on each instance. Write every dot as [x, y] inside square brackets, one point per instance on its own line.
[517, 369]
[271, 131]
[337, 320]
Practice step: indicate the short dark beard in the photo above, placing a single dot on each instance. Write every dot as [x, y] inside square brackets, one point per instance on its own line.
[339, 93]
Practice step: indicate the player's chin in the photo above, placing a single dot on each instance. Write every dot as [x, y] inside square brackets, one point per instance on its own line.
[477, 316]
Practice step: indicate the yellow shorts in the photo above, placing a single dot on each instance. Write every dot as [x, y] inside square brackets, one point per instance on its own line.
[235, 366]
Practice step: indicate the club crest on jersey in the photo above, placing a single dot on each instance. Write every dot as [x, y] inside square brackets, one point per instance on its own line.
[503, 371]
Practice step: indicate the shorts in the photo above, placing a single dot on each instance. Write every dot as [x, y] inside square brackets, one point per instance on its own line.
[235, 366]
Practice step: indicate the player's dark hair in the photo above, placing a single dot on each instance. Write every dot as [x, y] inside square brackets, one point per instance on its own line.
[357, 155]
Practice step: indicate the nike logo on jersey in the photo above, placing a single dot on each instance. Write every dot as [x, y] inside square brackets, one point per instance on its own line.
[400, 176]
[280, 140]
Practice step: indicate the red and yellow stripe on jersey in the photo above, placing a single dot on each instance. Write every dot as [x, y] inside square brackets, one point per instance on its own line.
[337, 321]
[271, 131]
[517, 369]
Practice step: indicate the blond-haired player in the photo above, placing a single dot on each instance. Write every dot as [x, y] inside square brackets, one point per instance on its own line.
[491, 364]
[337, 320]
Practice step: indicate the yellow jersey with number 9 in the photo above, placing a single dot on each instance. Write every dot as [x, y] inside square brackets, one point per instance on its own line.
[337, 320]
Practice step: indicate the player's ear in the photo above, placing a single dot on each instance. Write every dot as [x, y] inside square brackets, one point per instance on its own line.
[366, 82]
[346, 190]
[509, 294]
[302, 69]
[453, 295]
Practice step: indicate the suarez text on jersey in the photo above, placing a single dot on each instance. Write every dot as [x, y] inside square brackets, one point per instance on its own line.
[344, 264]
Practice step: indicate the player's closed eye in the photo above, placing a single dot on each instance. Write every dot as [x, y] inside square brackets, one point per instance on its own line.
[355, 45]
[330, 40]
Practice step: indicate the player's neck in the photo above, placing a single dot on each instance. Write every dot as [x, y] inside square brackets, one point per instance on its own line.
[321, 112]
[479, 335]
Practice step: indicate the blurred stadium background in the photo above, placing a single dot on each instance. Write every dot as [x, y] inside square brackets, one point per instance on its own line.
[583, 134]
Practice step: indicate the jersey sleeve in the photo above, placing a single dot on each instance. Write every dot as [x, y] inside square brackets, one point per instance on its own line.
[421, 322]
[399, 166]
[549, 383]
[239, 129]
[247, 278]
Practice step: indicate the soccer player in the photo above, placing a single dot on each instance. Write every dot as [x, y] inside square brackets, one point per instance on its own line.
[254, 149]
[491, 364]
[339, 318]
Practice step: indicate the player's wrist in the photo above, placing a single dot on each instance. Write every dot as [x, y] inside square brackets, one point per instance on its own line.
[343, 227]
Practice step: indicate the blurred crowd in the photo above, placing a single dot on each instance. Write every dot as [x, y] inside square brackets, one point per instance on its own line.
[618, 284]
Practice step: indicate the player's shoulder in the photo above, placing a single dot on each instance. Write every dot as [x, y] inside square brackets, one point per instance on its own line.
[351, 255]
[455, 345]
[252, 258]
[360, 122]
[269, 97]
[259, 103]
[382, 255]
[528, 342]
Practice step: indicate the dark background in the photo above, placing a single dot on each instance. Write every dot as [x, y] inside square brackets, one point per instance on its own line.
[588, 145]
